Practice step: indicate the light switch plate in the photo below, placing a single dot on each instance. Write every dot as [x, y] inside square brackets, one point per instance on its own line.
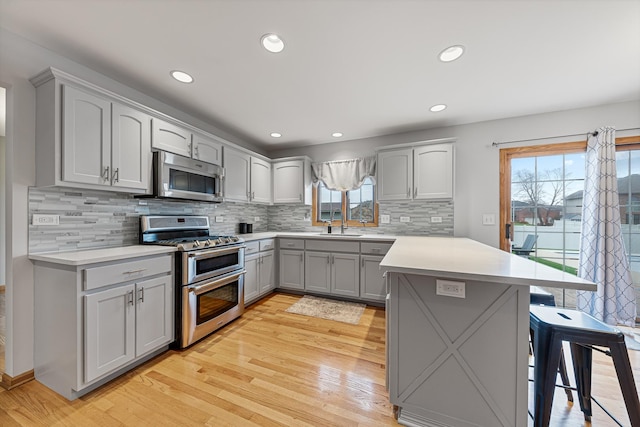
[435, 219]
[488, 219]
[256, 218]
[219, 219]
[40, 219]
[405, 219]
[385, 219]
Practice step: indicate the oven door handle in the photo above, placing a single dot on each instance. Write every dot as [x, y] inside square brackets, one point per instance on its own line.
[203, 254]
[203, 289]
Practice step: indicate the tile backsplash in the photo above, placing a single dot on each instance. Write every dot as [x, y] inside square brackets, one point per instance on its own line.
[94, 219]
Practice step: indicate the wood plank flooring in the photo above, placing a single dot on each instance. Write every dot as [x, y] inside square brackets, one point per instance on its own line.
[268, 368]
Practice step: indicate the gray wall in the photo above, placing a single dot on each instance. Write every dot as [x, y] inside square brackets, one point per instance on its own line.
[477, 162]
[3, 252]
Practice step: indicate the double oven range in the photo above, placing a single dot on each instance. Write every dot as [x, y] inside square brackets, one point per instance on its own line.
[209, 273]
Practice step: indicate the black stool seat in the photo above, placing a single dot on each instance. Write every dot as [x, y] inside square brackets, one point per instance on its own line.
[539, 296]
[553, 325]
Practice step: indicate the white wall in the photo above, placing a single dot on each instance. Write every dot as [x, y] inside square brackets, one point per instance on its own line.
[3, 251]
[477, 162]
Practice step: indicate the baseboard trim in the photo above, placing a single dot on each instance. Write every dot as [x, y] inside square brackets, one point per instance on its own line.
[8, 382]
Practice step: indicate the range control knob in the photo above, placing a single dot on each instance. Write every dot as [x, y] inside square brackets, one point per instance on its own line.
[207, 242]
[196, 244]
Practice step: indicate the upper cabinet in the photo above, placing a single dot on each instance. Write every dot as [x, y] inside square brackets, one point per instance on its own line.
[420, 172]
[292, 181]
[247, 178]
[178, 140]
[87, 139]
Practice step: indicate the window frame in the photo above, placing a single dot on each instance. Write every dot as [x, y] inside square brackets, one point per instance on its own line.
[344, 203]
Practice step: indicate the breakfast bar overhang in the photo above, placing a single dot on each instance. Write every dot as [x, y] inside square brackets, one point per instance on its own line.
[458, 328]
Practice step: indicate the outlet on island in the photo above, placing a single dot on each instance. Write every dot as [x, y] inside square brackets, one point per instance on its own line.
[405, 219]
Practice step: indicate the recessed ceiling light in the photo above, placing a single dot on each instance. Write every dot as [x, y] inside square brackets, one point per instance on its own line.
[451, 53]
[272, 42]
[336, 134]
[437, 107]
[181, 76]
[276, 135]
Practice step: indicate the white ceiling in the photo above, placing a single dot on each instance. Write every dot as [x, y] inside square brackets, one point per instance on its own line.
[361, 67]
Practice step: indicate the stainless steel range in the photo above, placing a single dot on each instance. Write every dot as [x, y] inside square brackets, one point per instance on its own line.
[209, 273]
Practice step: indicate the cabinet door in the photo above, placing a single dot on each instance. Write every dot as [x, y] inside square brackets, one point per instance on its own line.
[395, 174]
[130, 148]
[345, 274]
[433, 172]
[207, 149]
[154, 314]
[236, 175]
[169, 137]
[109, 331]
[267, 272]
[288, 181]
[260, 181]
[251, 287]
[86, 137]
[317, 270]
[291, 269]
[372, 284]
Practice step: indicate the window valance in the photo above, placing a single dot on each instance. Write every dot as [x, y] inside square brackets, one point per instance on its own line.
[344, 175]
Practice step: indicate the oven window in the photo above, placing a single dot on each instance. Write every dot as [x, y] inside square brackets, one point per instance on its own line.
[218, 262]
[185, 181]
[217, 301]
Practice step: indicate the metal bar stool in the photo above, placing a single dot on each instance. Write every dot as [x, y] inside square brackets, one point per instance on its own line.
[553, 325]
[538, 296]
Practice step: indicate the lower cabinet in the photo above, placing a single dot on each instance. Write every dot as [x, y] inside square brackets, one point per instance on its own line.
[259, 278]
[372, 284]
[291, 259]
[95, 321]
[333, 273]
[126, 322]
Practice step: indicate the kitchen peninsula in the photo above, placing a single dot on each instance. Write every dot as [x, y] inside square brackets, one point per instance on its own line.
[457, 330]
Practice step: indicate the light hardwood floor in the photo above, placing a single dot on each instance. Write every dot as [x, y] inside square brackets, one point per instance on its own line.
[268, 368]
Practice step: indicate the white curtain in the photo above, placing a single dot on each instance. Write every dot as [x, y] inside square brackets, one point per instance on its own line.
[344, 175]
[603, 259]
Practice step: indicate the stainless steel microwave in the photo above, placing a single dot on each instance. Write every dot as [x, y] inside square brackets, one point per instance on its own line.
[178, 177]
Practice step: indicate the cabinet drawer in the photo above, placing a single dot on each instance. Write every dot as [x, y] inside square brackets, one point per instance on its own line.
[332, 246]
[252, 247]
[266, 245]
[291, 244]
[375, 248]
[125, 271]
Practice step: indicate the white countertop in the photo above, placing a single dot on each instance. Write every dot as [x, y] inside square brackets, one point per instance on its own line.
[466, 259]
[92, 256]
[311, 235]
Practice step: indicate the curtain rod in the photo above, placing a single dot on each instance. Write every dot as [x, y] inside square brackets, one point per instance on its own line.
[594, 133]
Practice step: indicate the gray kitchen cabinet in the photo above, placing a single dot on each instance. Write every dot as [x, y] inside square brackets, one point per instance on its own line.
[372, 283]
[179, 140]
[170, 137]
[260, 181]
[414, 173]
[87, 138]
[96, 321]
[292, 181]
[247, 178]
[259, 279]
[291, 263]
[333, 267]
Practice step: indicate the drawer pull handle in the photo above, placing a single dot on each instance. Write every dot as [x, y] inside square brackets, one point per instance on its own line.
[134, 271]
[290, 244]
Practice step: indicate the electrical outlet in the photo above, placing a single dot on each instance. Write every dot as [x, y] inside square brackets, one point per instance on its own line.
[449, 288]
[256, 218]
[405, 219]
[40, 219]
[435, 219]
[219, 219]
[385, 219]
[488, 219]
